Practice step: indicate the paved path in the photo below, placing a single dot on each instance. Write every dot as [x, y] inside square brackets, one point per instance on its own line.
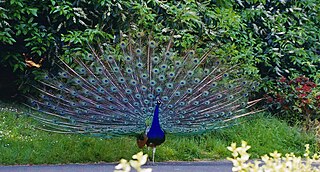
[217, 166]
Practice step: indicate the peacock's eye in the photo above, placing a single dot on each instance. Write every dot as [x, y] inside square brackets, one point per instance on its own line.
[191, 52]
[168, 54]
[122, 44]
[152, 44]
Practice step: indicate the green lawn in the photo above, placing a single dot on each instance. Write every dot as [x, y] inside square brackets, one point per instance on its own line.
[21, 143]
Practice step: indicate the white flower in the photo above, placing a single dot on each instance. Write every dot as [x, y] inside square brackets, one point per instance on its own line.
[123, 166]
[139, 160]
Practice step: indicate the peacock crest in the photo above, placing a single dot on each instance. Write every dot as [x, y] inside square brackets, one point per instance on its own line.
[120, 88]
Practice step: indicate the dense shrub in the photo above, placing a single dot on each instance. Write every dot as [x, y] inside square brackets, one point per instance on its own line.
[43, 30]
[286, 37]
[267, 38]
[296, 100]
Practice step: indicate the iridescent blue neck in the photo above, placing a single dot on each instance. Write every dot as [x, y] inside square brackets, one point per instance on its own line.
[155, 120]
[155, 129]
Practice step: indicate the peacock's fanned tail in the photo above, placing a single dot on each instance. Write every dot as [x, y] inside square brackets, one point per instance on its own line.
[112, 90]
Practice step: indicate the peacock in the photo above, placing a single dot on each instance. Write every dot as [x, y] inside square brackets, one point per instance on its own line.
[143, 86]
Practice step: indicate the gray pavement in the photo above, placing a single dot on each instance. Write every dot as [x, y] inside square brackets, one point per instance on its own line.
[212, 166]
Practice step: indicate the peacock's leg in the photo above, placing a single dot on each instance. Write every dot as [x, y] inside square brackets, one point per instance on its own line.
[148, 150]
[153, 152]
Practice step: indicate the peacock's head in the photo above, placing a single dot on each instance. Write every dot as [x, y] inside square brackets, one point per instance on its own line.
[158, 99]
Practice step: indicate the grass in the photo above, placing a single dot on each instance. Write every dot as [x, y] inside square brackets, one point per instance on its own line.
[21, 143]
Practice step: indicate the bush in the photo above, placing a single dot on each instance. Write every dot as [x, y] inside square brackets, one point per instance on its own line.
[36, 33]
[266, 38]
[284, 36]
[296, 100]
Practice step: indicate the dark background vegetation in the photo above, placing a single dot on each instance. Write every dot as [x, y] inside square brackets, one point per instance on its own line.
[268, 38]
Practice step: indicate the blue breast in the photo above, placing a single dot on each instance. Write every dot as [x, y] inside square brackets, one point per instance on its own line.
[155, 135]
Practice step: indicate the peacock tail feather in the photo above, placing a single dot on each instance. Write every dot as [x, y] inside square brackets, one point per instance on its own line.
[113, 90]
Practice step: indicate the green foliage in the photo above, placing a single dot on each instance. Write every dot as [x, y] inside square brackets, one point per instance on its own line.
[296, 100]
[286, 36]
[266, 38]
[34, 29]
